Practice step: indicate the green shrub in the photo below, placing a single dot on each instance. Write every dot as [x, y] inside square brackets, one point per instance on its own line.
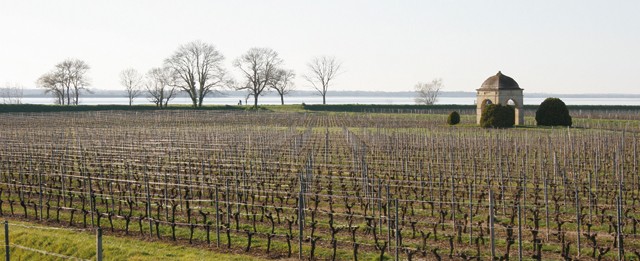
[454, 118]
[498, 116]
[384, 107]
[553, 112]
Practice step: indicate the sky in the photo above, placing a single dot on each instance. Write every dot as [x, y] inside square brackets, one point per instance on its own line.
[569, 46]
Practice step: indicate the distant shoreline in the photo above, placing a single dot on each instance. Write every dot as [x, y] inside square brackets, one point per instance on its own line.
[103, 93]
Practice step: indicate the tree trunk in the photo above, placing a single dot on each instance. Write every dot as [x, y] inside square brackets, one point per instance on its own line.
[194, 96]
[282, 99]
[68, 96]
[324, 101]
[255, 101]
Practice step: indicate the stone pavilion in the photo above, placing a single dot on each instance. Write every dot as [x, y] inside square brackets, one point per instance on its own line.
[500, 89]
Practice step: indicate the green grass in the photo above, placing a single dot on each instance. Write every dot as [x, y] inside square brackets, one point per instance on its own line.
[82, 244]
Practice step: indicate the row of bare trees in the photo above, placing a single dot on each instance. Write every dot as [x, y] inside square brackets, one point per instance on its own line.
[158, 83]
[196, 68]
[11, 93]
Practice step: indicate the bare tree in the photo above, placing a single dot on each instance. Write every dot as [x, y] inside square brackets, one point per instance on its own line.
[159, 84]
[132, 82]
[11, 93]
[198, 69]
[67, 80]
[283, 83]
[322, 70]
[49, 82]
[427, 93]
[73, 75]
[259, 67]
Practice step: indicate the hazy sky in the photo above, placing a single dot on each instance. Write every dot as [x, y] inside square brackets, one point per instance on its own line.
[546, 46]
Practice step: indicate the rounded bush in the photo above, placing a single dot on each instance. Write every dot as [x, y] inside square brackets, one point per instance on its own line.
[498, 116]
[553, 112]
[454, 118]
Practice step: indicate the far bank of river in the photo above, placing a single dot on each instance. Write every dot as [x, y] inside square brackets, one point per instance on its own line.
[268, 100]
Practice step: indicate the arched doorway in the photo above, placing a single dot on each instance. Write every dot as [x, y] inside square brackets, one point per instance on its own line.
[517, 108]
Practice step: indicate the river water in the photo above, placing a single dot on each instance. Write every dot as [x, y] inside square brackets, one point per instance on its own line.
[335, 100]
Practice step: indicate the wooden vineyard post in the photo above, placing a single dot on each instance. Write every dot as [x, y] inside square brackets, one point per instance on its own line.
[590, 200]
[62, 187]
[238, 194]
[92, 203]
[546, 206]
[6, 241]
[388, 217]
[99, 244]
[502, 180]
[217, 219]
[326, 145]
[380, 206]
[491, 228]
[147, 188]
[179, 185]
[300, 225]
[397, 232]
[596, 168]
[519, 231]
[471, 213]
[431, 183]
[166, 190]
[202, 171]
[578, 214]
[524, 182]
[555, 167]
[41, 191]
[635, 156]
[452, 187]
[620, 198]
[620, 241]
[228, 202]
